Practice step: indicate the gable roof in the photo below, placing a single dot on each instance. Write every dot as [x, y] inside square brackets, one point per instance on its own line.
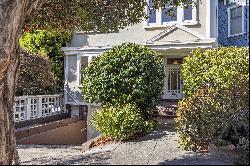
[169, 29]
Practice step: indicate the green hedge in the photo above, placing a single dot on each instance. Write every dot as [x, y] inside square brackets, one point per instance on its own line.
[36, 76]
[216, 84]
[126, 74]
[47, 44]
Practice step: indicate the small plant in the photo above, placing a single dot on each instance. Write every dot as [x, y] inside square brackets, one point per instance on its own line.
[120, 123]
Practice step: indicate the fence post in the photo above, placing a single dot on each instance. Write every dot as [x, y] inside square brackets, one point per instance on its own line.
[28, 108]
[39, 106]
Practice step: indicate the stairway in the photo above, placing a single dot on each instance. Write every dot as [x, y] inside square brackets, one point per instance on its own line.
[166, 108]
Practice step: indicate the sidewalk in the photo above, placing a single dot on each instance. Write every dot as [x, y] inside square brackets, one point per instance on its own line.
[158, 148]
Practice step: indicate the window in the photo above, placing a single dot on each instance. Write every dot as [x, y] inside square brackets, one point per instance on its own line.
[185, 15]
[235, 20]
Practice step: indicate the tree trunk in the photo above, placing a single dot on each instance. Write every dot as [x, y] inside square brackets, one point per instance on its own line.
[8, 151]
[12, 14]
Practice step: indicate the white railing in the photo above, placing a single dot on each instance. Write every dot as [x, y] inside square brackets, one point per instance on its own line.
[32, 107]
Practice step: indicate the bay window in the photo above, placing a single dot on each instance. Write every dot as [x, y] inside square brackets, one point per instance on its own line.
[185, 15]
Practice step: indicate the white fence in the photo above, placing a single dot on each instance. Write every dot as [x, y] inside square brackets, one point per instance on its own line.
[32, 107]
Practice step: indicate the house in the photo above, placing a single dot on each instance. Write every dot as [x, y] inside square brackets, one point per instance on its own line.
[174, 37]
[233, 22]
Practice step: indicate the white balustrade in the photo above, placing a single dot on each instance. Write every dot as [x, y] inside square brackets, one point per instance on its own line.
[32, 107]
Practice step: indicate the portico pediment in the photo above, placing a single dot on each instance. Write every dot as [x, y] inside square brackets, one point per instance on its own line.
[175, 33]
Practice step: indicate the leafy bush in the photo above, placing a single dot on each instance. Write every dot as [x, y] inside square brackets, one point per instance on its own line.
[216, 84]
[126, 74]
[120, 123]
[36, 76]
[225, 67]
[199, 119]
[47, 44]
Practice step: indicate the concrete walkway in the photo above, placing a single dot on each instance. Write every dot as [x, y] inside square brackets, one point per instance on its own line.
[157, 148]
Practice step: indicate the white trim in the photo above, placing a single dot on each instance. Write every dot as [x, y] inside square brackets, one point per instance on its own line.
[211, 18]
[208, 18]
[235, 35]
[180, 14]
[66, 79]
[229, 20]
[78, 70]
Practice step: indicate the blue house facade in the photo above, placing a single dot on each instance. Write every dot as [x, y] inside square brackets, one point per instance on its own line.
[233, 23]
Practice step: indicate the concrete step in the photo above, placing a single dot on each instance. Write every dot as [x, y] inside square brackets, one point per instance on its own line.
[166, 109]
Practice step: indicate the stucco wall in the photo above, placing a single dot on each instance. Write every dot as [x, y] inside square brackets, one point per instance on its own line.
[223, 39]
[137, 33]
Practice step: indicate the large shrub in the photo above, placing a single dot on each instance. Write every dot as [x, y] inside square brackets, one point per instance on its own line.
[225, 67]
[36, 76]
[47, 44]
[120, 123]
[126, 74]
[216, 84]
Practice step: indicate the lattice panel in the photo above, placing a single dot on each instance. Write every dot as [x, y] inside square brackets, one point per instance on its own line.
[33, 108]
[20, 109]
[51, 105]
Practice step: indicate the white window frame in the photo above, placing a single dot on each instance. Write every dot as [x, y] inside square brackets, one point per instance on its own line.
[180, 17]
[229, 20]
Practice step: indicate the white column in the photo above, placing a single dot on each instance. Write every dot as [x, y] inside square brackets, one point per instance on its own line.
[211, 18]
[78, 69]
[66, 70]
[180, 14]
[158, 17]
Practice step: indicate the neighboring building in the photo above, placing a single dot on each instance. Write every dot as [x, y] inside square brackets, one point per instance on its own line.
[233, 22]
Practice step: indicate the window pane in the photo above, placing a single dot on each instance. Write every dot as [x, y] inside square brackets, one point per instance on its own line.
[169, 14]
[152, 13]
[152, 17]
[188, 13]
[236, 20]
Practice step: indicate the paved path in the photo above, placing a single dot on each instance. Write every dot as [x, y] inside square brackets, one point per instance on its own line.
[158, 148]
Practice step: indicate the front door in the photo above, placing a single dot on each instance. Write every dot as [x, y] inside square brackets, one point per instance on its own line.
[173, 82]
